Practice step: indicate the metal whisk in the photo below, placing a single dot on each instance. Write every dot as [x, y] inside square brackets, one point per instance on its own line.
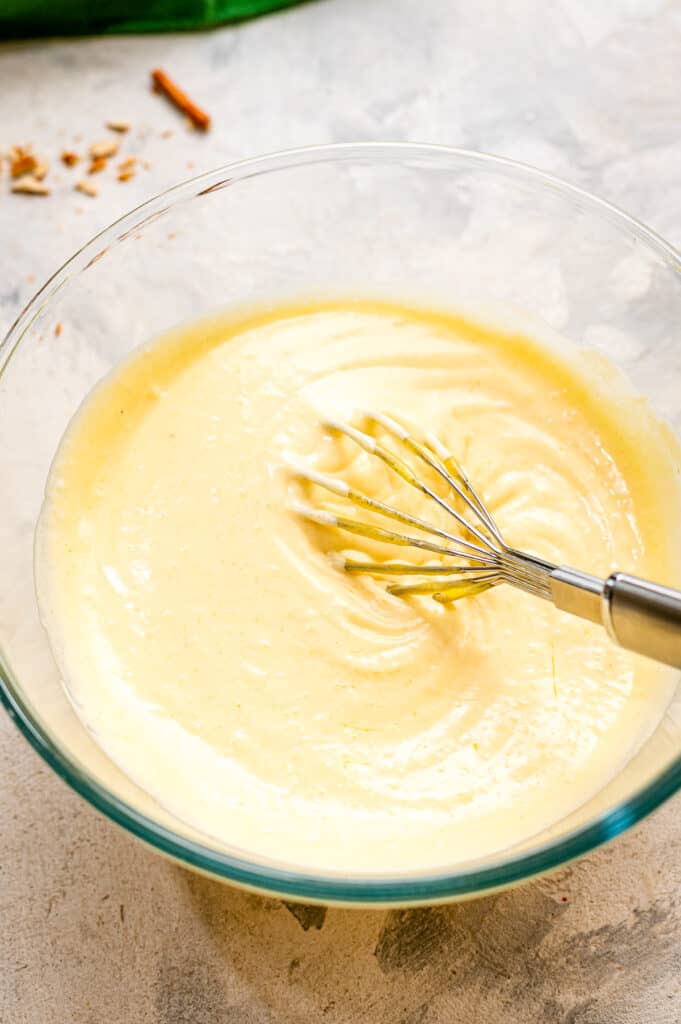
[639, 615]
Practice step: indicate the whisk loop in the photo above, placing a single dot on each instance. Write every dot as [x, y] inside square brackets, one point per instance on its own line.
[479, 554]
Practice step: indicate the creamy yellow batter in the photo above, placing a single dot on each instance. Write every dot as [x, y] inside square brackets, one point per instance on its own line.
[303, 715]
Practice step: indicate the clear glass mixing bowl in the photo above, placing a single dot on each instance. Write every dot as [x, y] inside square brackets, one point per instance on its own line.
[414, 223]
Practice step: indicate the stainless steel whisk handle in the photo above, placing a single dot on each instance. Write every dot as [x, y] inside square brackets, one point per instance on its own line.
[639, 615]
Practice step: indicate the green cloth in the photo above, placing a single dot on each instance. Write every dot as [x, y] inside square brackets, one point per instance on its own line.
[24, 18]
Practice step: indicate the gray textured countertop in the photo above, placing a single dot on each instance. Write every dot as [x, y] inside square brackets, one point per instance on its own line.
[94, 926]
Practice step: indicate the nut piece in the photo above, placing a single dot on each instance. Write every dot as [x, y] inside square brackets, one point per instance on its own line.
[103, 150]
[28, 185]
[21, 162]
[87, 188]
[41, 169]
[118, 126]
[97, 165]
[69, 158]
[126, 175]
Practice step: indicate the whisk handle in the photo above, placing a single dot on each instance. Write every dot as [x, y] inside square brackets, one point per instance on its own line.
[639, 615]
[643, 617]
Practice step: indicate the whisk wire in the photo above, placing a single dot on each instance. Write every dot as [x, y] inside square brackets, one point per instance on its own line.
[445, 592]
[340, 488]
[452, 474]
[399, 466]
[406, 568]
[324, 518]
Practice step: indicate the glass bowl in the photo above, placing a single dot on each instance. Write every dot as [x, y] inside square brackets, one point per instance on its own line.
[414, 223]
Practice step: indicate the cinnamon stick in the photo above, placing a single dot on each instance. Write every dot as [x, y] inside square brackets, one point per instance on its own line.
[162, 83]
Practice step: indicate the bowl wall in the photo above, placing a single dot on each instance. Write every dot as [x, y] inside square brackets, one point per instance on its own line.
[408, 223]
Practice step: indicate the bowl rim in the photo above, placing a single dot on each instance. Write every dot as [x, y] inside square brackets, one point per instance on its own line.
[293, 882]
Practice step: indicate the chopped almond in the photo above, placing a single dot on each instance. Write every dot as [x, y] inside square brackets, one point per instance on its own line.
[69, 158]
[97, 165]
[22, 162]
[126, 175]
[103, 150]
[118, 126]
[127, 164]
[86, 187]
[58, 330]
[40, 170]
[30, 186]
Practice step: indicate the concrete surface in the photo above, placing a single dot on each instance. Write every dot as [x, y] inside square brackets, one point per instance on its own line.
[95, 927]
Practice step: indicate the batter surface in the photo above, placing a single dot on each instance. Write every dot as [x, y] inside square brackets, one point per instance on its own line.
[297, 713]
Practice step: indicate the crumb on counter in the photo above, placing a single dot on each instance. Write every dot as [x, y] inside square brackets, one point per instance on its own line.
[87, 188]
